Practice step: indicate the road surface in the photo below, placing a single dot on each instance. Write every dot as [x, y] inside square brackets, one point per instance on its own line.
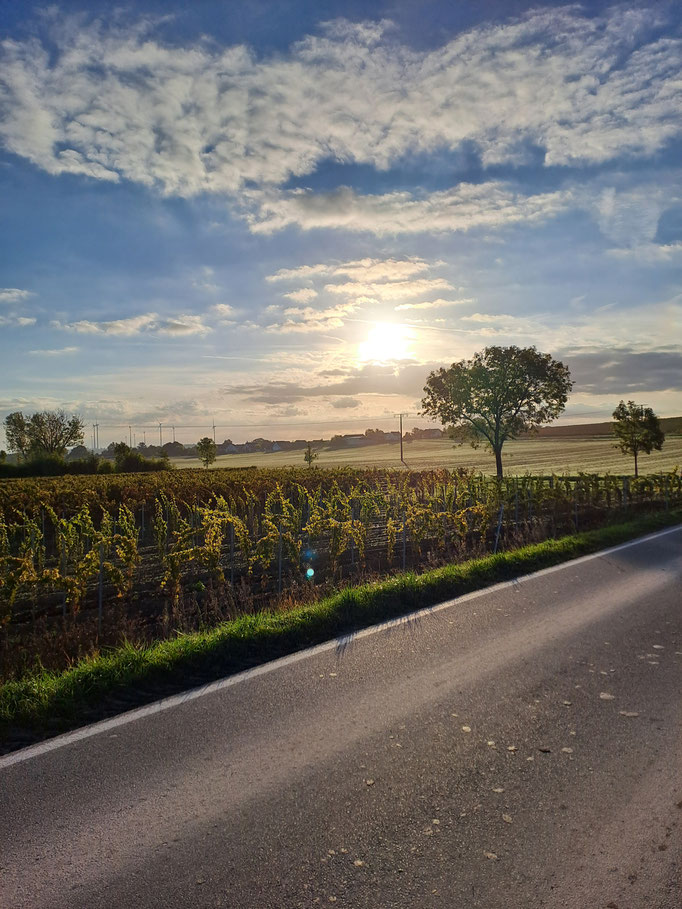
[517, 748]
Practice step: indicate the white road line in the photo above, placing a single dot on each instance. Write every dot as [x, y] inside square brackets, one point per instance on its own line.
[139, 713]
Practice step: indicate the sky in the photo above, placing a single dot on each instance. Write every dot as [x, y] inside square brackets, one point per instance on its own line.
[279, 217]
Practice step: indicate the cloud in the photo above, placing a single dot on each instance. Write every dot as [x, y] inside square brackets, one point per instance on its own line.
[383, 269]
[630, 216]
[371, 282]
[306, 319]
[14, 321]
[135, 325]
[303, 295]
[403, 379]
[393, 290]
[649, 253]
[112, 103]
[366, 269]
[466, 206]
[624, 371]
[13, 295]
[182, 325]
[302, 271]
[54, 352]
[435, 304]
[224, 310]
[345, 403]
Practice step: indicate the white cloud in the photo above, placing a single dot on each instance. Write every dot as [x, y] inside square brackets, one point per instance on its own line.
[13, 295]
[629, 217]
[649, 253]
[306, 319]
[54, 352]
[14, 321]
[134, 325]
[303, 295]
[296, 274]
[367, 269]
[466, 206]
[435, 304]
[383, 269]
[183, 325]
[112, 103]
[224, 310]
[393, 290]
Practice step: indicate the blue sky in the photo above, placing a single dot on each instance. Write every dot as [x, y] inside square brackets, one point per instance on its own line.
[282, 216]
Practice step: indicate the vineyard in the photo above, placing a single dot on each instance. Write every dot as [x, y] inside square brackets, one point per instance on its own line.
[87, 560]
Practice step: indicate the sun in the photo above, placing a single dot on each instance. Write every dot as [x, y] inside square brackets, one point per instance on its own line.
[386, 341]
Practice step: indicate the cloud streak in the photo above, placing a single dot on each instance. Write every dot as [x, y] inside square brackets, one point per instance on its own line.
[147, 323]
[464, 207]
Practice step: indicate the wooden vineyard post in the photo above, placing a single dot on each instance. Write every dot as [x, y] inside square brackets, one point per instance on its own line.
[404, 540]
[499, 527]
[63, 568]
[530, 508]
[100, 589]
[232, 555]
[352, 540]
[279, 562]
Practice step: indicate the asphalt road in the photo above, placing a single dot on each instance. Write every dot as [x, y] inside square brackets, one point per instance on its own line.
[517, 748]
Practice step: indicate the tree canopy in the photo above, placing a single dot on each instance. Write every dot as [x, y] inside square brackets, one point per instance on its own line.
[498, 394]
[48, 432]
[207, 451]
[637, 428]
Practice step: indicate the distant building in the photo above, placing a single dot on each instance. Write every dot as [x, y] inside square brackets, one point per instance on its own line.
[355, 440]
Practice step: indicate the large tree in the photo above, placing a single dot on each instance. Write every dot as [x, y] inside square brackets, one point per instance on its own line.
[207, 451]
[637, 428]
[498, 394]
[49, 432]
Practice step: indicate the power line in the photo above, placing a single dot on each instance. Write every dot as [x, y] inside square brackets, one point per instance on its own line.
[293, 422]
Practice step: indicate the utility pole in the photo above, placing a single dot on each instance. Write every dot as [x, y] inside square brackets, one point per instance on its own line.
[97, 436]
[160, 435]
[214, 430]
[130, 435]
[145, 437]
[174, 434]
[400, 417]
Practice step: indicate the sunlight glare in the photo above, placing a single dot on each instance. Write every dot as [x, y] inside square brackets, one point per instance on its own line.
[386, 341]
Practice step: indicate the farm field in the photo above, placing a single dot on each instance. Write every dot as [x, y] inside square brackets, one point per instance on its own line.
[566, 455]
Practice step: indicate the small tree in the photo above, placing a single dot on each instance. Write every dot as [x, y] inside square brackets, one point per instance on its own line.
[49, 432]
[207, 451]
[497, 395]
[310, 456]
[637, 428]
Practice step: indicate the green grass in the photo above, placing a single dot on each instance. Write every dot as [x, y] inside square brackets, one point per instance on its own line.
[89, 690]
[534, 456]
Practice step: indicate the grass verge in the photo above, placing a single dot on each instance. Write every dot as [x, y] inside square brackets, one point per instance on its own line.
[129, 675]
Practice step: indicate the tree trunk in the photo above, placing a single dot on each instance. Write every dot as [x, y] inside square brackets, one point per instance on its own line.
[635, 463]
[498, 462]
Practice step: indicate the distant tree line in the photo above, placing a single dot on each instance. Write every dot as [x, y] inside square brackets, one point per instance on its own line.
[501, 393]
[41, 442]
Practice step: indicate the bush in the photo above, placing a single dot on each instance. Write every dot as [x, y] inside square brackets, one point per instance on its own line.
[55, 466]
